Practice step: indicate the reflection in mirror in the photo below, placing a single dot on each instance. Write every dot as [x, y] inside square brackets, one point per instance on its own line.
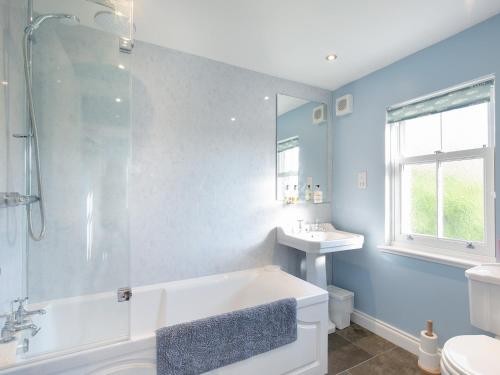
[302, 150]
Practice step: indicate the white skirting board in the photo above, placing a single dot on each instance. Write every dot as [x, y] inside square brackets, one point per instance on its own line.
[388, 332]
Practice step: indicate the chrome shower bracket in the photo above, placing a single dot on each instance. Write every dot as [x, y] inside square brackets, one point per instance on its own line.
[126, 45]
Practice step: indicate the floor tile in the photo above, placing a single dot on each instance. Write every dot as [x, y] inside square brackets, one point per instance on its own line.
[394, 362]
[374, 344]
[343, 355]
[335, 342]
[354, 333]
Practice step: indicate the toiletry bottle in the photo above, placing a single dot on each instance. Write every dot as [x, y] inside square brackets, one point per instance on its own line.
[318, 195]
[286, 195]
[308, 194]
[295, 196]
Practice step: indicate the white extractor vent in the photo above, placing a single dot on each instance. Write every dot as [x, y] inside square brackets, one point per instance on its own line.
[319, 114]
[343, 105]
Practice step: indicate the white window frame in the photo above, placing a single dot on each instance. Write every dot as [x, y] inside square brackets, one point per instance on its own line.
[280, 174]
[448, 251]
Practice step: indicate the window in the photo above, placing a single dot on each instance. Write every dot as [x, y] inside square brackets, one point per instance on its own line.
[440, 176]
[288, 165]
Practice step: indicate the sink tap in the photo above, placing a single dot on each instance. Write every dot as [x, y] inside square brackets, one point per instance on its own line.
[314, 226]
[299, 221]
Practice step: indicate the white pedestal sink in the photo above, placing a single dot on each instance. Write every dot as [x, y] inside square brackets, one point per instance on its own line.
[316, 244]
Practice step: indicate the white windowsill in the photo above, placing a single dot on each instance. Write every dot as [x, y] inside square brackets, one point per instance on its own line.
[448, 260]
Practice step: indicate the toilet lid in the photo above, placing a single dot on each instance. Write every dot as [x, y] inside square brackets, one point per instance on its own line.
[473, 355]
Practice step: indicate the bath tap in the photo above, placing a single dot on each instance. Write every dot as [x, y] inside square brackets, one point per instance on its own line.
[18, 320]
[10, 328]
[23, 327]
[21, 313]
[8, 333]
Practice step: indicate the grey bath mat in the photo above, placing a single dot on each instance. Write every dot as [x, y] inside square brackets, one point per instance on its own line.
[206, 344]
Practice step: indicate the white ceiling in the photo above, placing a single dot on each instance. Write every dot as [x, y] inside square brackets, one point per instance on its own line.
[290, 38]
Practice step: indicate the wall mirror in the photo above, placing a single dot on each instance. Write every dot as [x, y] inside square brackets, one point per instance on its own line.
[302, 157]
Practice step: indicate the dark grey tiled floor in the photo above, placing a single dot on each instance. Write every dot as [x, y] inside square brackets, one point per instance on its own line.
[357, 351]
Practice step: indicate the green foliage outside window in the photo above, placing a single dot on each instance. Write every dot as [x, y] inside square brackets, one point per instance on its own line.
[463, 211]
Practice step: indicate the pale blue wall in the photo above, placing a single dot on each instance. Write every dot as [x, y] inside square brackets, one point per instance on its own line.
[401, 291]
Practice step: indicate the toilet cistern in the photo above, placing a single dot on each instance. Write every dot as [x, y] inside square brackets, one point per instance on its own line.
[477, 354]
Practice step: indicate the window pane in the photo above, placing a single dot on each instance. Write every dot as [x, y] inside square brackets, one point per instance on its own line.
[419, 199]
[465, 128]
[288, 161]
[421, 136]
[463, 199]
[288, 171]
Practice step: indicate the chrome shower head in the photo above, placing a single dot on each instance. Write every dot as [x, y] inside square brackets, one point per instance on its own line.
[68, 19]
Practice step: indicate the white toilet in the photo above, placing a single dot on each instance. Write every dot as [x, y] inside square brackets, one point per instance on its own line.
[477, 354]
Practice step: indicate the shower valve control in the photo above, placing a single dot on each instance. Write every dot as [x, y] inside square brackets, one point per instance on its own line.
[15, 199]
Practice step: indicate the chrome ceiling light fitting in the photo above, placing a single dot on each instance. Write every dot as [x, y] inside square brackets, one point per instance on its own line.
[331, 57]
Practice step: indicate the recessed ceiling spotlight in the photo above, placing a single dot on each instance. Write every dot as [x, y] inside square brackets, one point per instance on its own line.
[4, 83]
[331, 57]
[233, 119]
[121, 66]
[266, 97]
[118, 100]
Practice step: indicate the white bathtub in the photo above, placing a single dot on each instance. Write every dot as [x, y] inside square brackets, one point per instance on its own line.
[160, 305]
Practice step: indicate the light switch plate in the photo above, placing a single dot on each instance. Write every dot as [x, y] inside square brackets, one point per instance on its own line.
[362, 180]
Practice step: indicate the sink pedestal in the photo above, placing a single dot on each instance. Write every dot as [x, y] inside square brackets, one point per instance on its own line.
[316, 269]
[316, 274]
[316, 244]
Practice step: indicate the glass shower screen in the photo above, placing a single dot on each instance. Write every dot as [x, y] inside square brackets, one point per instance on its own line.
[81, 88]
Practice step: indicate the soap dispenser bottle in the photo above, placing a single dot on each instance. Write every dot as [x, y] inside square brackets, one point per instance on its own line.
[308, 194]
[286, 195]
[295, 196]
[318, 195]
